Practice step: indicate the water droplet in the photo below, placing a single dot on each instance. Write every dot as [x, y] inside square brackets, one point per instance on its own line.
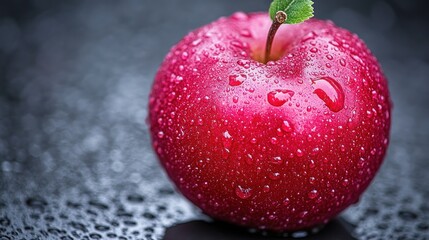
[274, 176]
[343, 62]
[235, 99]
[279, 97]
[312, 194]
[309, 36]
[161, 134]
[329, 57]
[286, 126]
[237, 80]
[239, 16]
[299, 153]
[361, 162]
[313, 50]
[331, 92]
[345, 182]
[274, 140]
[227, 140]
[246, 33]
[286, 202]
[197, 42]
[185, 55]
[334, 43]
[358, 59]
[249, 159]
[312, 164]
[303, 214]
[237, 44]
[244, 63]
[243, 193]
[266, 188]
[277, 160]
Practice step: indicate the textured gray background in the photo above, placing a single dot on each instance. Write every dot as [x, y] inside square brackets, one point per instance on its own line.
[75, 157]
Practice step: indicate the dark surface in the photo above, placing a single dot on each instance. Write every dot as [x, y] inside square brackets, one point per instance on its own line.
[75, 157]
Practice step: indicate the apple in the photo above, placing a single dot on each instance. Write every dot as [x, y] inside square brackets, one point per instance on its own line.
[282, 145]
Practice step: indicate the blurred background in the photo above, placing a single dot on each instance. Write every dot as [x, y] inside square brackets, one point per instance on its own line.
[75, 157]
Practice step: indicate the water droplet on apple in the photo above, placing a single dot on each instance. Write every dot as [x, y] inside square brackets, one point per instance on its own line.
[185, 56]
[249, 159]
[239, 16]
[238, 44]
[361, 162]
[279, 97]
[329, 57]
[343, 62]
[235, 99]
[312, 164]
[358, 59]
[303, 214]
[312, 194]
[246, 33]
[334, 43]
[161, 134]
[227, 140]
[243, 193]
[286, 126]
[196, 42]
[274, 176]
[266, 188]
[286, 202]
[309, 36]
[299, 153]
[277, 160]
[244, 63]
[313, 50]
[331, 92]
[237, 80]
[274, 140]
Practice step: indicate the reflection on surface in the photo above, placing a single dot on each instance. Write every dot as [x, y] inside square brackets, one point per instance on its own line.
[202, 230]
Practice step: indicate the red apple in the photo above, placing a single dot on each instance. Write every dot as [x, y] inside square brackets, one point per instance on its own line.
[281, 146]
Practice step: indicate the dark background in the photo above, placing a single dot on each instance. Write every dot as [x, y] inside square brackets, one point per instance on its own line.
[75, 157]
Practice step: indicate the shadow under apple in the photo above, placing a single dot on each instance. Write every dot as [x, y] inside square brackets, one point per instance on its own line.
[203, 230]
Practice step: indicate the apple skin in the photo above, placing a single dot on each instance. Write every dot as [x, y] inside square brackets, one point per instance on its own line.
[281, 146]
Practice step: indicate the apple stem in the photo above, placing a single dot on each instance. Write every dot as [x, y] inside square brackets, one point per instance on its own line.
[280, 19]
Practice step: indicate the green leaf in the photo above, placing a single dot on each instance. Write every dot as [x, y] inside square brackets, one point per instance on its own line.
[297, 10]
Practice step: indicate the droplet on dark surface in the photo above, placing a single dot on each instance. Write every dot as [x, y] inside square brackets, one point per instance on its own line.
[98, 205]
[130, 223]
[166, 191]
[149, 215]
[407, 215]
[78, 226]
[95, 236]
[331, 92]
[135, 198]
[73, 204]
[102, 228]
[36, 202]
[4, 221]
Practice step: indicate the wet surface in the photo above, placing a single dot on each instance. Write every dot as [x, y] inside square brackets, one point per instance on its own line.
[75, 157]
